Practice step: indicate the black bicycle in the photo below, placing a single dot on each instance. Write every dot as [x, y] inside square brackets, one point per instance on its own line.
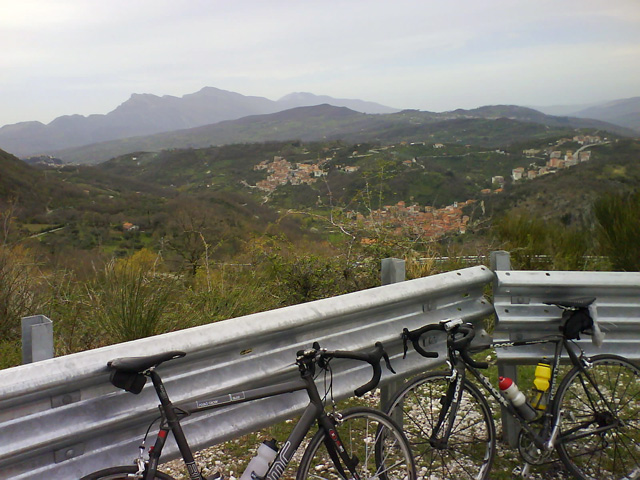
[359, 443]
[592, 418]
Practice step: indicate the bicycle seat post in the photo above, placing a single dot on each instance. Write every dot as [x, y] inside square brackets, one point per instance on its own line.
[173, 422]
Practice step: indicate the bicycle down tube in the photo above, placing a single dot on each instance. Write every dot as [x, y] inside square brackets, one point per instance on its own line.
[312, 411]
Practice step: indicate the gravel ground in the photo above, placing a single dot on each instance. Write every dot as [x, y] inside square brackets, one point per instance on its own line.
[230, 458]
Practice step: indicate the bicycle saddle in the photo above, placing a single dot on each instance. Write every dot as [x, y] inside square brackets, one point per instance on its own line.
[572, 303]
[140, 364]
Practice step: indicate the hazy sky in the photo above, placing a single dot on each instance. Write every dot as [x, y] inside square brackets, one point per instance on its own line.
[60, 57]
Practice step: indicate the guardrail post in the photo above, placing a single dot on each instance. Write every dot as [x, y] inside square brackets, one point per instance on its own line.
[393, 270]
[501, 261]
[37, 339]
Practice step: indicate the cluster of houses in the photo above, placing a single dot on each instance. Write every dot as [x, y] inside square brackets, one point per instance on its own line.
[423, 221]
[282, 172]
[557, 160]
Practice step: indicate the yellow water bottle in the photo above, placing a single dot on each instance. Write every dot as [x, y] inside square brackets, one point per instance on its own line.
[541, 385]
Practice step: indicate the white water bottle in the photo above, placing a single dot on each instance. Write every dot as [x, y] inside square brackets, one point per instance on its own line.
[259, 465]
[510, 390]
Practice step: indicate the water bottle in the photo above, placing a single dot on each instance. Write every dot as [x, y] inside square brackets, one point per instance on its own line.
[511, 391]
[259, 464]
[541, 385]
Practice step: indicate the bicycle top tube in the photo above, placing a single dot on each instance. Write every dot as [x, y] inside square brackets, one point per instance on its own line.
[129, 373]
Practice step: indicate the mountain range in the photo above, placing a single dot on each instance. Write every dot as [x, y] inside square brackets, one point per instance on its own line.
[146, 114]
[624, 112]
[485, 126]
[212, 117]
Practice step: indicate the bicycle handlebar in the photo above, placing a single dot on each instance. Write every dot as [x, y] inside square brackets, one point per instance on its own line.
[460, 345]
[414, 337]
[372, 357]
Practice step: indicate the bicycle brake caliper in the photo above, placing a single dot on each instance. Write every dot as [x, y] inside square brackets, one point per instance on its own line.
[140, 463]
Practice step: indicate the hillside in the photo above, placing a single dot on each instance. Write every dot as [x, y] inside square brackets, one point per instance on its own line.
[237, 192]
[29, 189]
[569, 194]
[623, 112]
[146, 114]
[317, 174]
[487, 126]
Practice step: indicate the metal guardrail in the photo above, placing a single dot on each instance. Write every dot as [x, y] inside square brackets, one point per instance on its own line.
[61, 418]
[519, 300]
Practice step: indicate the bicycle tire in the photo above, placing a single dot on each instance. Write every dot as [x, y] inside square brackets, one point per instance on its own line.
[382, 450]
[471, 446]
[123, 472]
[614, 454]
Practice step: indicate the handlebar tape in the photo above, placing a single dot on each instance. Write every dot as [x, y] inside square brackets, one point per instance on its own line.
[372, 358]
[414, 336]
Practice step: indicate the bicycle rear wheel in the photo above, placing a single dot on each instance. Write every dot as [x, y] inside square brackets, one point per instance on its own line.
[381, 449]
[600, 426]
[124, 472]
[468, 452]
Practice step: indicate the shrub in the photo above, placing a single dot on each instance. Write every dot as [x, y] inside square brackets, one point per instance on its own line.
[20, 293]
[618, 229]
[131, 299]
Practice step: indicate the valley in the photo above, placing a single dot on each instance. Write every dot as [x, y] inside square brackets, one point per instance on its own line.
[208, 231]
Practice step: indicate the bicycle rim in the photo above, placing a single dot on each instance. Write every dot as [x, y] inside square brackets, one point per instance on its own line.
[600, 425]
[381, 449]
[469, 450]
[124, 472]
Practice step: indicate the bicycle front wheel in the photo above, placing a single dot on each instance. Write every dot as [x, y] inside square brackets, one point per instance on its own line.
[467, 452]
[368, 436]
[124, 472]
[600, 426]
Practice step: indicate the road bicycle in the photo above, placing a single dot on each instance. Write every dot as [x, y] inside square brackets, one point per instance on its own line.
[359, 443]
[591, 418]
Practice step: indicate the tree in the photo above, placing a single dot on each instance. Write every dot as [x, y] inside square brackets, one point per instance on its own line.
[192, 233]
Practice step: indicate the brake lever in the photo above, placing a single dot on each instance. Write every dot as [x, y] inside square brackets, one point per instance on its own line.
[405, 340]
[388, 362]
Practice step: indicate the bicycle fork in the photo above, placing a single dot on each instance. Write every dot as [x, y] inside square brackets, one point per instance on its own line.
[450, 404]
[336, 449]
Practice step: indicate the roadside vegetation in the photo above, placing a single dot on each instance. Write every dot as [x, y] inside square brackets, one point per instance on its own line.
[151, 243]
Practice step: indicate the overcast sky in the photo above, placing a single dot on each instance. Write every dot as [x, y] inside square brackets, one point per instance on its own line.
[60, 57]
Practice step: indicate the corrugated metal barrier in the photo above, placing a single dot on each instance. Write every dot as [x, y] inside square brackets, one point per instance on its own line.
[61, 418]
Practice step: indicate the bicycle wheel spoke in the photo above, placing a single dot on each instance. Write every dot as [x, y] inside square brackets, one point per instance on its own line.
[381, 450]
[600, 436]
[462, 451]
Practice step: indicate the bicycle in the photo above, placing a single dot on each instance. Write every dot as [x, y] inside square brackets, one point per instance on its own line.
[359, 443]
[591, 418]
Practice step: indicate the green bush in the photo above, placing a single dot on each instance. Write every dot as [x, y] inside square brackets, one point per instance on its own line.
[20, 289]
[131, 299]
[618, 229]
[228, 291]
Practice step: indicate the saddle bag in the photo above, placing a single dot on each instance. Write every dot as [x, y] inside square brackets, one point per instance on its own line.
[575, 322]
[131, 382]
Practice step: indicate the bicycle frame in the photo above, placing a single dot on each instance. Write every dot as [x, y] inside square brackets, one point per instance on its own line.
[314, 411]
[546, 436]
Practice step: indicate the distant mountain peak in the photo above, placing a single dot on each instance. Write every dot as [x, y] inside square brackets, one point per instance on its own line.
[307, 99]
[300, 96]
